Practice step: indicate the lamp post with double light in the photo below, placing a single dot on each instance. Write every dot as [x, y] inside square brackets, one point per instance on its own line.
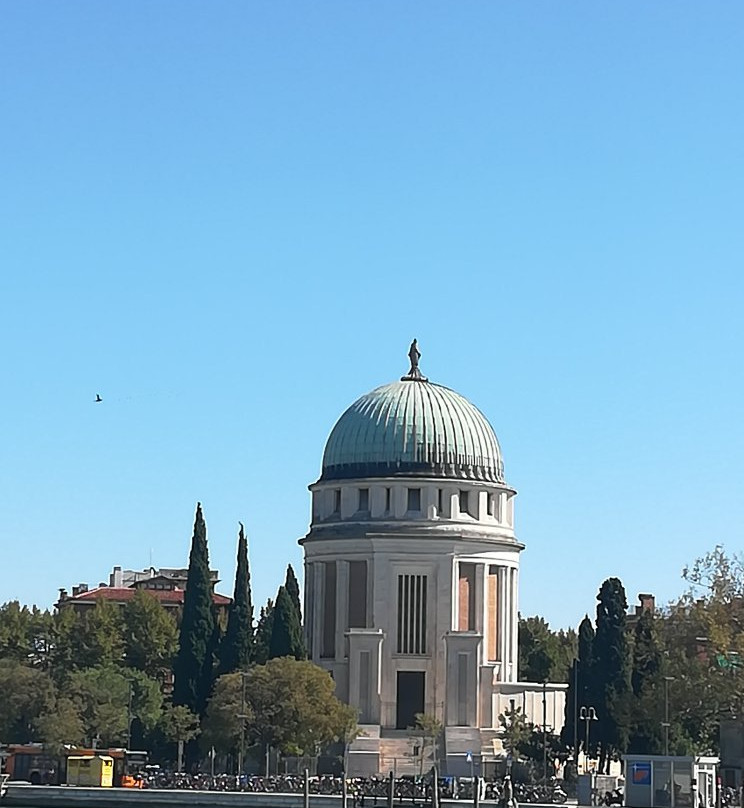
[587, 715]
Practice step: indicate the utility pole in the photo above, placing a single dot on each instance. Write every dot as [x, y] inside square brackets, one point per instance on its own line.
[129, 718]
[242, 717]
[665, 723]
[545, 733]
[576, 714]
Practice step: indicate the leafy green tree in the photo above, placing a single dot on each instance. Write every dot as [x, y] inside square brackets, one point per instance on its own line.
[515, 731]
[236, 649]
[610, 670]
[195, 659]
[63, 660]
[290, 706]
[178, 723]
[544, 655]
[293, 707]
[264, 629]
[98, 639]
[26, 695]
[15, 627]
[150, 635]
[292, 586]
[286, 634]
[61, 725]
[428, 730]
[221, 723]
[703, 646]
[102, 697]
[25, 634]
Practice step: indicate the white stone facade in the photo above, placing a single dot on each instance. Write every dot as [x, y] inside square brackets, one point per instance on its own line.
[411, 602]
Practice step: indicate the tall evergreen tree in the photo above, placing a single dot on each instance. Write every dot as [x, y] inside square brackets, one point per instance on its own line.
[611, 671]
[262, 637]
[286, 634]
[193, 667]
[292, 586]
[236, 650]
[647, 707]
[579, 685]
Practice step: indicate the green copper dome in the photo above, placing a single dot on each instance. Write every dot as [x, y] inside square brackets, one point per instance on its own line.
[413, 428]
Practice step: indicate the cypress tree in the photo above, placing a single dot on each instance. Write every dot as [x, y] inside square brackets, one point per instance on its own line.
[236, 650]
[286, 634]
[262, 637]
[193, 666]
[579, 687]
[646, 653]
[647, 714]
[293, 590]
[610, 668]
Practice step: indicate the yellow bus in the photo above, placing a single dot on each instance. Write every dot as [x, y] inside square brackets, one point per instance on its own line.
[86, 770]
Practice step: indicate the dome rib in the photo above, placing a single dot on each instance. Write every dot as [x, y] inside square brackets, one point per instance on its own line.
[415, 428]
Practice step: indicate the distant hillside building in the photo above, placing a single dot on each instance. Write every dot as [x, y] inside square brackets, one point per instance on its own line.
[412, 576]
[167, 585]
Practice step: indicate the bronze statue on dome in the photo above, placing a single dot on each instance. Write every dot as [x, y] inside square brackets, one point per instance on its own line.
[414, 374]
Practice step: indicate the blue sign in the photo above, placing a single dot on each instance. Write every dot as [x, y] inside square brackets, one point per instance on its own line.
[640, 774]
[468, 757]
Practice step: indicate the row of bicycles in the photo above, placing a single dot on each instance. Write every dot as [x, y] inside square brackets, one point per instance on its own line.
[358, 788]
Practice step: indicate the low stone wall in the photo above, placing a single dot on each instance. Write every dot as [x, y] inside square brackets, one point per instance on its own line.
[24, 796]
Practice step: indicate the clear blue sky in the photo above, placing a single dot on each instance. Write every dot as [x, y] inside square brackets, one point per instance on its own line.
[230, 219]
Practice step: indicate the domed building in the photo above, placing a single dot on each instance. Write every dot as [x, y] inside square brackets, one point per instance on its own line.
[412, 576]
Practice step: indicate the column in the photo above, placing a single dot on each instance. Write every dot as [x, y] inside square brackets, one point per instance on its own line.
[506, 673]
[481, 601]
[515, 623]
[503, 623]
[342, 607]
[317, 629]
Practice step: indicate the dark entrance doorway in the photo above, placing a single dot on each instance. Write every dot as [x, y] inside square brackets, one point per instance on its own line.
[410, 698]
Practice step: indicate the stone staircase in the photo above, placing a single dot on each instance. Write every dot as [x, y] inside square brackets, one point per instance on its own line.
[396, 753]
[458, 741]
[491, 744]
[363, 755]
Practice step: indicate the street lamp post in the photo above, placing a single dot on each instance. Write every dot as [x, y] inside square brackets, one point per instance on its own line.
[587, 715]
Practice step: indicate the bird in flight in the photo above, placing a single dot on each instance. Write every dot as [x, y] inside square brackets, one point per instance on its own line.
[98, 399]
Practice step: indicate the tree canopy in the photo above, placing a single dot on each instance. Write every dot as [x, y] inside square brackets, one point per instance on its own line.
[289, 705]
[151, 636]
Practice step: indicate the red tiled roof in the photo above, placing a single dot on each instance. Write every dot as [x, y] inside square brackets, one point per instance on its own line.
[127, 593]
